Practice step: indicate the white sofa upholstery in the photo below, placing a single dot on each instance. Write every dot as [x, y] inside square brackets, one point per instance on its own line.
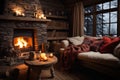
[103, 62]
[103, 59]
[106, 63]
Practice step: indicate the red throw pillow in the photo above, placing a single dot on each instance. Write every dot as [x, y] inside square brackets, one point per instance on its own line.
[109, 47]
[106, 39]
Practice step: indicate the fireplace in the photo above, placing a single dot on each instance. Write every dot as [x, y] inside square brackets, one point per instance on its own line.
[23, 39]
[25, 28]
[32, 32]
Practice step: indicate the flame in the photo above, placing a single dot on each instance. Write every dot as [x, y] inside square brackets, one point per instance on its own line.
[21, 42]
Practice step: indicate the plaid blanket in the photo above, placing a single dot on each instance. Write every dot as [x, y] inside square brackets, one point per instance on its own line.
[70, 54]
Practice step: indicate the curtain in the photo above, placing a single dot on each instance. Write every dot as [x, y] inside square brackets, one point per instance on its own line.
[78, 19]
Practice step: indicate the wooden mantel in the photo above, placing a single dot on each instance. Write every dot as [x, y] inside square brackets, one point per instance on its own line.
[3, 17]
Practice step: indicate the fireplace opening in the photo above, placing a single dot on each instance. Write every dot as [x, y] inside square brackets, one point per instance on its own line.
[23, 39]
[23, 42]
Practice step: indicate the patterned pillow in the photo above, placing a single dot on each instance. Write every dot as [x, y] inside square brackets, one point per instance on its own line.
[88, 40]
[117, 51]
[95, 45]
[64, 43]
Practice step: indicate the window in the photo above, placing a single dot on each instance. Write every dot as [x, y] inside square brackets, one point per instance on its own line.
[89, 24]
[102, 17]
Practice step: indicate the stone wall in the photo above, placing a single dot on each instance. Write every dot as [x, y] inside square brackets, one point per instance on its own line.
[28, 7]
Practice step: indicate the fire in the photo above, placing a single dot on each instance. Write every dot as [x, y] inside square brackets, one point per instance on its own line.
[21, 42]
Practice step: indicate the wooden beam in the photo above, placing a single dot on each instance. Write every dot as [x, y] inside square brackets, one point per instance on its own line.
[92, 2]
[2, 17]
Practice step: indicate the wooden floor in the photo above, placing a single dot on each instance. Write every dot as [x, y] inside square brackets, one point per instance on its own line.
[76, 73]
[73, 74]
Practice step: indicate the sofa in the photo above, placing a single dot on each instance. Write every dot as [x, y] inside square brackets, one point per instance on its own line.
[103, 57]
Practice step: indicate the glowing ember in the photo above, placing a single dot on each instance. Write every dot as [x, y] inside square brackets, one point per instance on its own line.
[21, 42]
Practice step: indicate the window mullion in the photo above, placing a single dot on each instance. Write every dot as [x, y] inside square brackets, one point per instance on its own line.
[109, 18]
[118, 26]
[94, 20]
[102, 21]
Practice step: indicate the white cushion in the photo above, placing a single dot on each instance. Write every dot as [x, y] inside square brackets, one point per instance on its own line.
[100, 58]
[76, 40]
[117, 51]
[65, 43]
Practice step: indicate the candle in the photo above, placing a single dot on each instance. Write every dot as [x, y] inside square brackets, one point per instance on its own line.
[51, 55]
[35, 56]
[43, 57]
[44, 18]
[22, 14]
[39, 52]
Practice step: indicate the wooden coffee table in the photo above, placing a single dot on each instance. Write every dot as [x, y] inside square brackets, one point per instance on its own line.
[37, 66]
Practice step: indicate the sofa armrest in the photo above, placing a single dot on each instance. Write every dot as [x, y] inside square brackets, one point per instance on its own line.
[59, 46]
[64, 43]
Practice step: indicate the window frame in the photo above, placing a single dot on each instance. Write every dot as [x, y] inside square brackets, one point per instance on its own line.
[95, 12]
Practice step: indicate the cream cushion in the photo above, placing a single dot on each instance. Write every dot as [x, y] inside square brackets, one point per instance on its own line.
[117, 51]
[100, 58]
[76, 40]
[64, 43]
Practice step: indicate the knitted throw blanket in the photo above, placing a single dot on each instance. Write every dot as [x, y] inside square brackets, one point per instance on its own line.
[70, 54]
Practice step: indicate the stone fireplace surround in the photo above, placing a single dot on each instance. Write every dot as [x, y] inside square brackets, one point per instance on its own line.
[7, 28]
[7, 31]
[9, 22]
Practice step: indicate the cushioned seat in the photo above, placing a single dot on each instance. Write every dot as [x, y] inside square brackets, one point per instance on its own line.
[106, 59]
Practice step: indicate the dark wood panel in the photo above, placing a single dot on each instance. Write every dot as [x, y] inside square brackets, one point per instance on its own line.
[2, 6]
[85, 2]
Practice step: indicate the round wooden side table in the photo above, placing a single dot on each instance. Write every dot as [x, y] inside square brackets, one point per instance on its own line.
[37, 66]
